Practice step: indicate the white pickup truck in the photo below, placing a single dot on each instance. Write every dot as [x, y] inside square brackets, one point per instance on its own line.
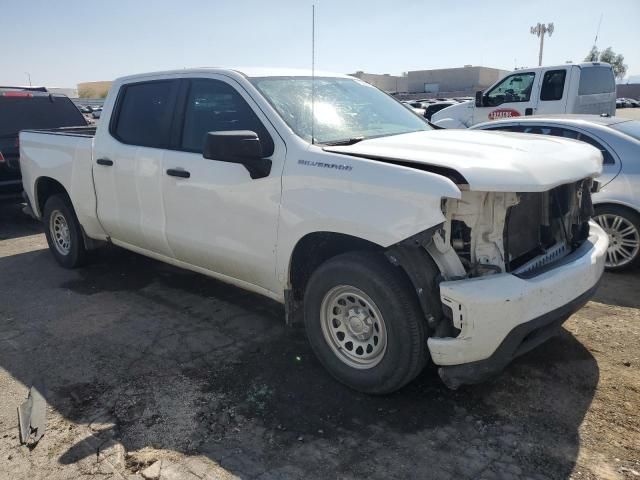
[570, 88]
[400, 244]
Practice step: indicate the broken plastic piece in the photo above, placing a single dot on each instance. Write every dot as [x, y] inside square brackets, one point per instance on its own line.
[32, 417]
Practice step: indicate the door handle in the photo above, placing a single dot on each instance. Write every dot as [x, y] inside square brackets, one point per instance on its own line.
[175, 172]
[104, 161]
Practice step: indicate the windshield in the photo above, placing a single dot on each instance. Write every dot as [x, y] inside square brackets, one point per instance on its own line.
[631, 128]
[344, 109]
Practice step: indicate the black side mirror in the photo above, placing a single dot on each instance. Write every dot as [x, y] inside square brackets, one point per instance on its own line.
[237, 146]
[479, 98]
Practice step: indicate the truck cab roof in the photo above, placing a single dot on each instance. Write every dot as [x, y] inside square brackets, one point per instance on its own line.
[248, 72]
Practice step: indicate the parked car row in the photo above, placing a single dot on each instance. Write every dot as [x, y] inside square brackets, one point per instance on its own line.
[91, 110]
[627, 103]
[427, 107]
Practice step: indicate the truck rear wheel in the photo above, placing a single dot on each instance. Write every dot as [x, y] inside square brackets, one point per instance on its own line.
[63, 232]
[364, 322]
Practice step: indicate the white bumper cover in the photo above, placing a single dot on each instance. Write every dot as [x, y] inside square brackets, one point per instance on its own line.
[486, 309]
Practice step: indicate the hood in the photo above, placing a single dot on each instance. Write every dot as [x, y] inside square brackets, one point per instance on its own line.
[462, 112]
[488, 161]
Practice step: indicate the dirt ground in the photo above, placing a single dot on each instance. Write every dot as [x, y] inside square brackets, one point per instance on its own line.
[150, 370]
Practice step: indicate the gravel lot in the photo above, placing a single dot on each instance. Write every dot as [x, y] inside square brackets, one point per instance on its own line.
[155, 371]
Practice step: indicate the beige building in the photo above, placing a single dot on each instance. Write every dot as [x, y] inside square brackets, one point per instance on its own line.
[462, 81]
[93, 89]
[465, 80]
[385, 82]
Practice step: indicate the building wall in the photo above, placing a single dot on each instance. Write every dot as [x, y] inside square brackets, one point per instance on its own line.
[465, 79]
[93, 89]
[387, 83]
[628, 90]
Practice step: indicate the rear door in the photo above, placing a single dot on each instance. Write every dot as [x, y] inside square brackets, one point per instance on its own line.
[513, 96]
[128, 162]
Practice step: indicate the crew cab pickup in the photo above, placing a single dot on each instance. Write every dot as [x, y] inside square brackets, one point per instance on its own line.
[395, 243]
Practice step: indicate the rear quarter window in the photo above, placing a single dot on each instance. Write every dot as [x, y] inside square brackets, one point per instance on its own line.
[595, 80]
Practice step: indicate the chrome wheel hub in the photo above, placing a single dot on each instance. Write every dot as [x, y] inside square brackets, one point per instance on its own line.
[353, 327]
[59, 230]
[624, 239]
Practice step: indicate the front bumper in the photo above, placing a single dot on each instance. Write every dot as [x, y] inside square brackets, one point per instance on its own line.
[502, 316]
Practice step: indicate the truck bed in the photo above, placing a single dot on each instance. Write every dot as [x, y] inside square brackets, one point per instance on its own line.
[70, 131]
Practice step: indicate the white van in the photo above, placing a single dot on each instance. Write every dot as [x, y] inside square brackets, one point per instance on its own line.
[570, 88]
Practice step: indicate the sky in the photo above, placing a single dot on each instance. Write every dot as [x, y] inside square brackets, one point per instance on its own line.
[61, 43]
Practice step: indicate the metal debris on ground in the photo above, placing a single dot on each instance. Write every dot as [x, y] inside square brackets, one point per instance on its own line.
[32, 417]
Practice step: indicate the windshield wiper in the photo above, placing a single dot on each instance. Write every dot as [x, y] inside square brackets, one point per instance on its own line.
[346, 141]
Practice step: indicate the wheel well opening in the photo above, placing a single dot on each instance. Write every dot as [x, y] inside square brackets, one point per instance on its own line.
[316, 248]
[45, 188]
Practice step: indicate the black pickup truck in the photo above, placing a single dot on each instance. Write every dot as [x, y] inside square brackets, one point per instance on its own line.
[22, 109]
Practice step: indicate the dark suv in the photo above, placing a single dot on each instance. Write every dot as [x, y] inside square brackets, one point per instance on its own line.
[22, 109]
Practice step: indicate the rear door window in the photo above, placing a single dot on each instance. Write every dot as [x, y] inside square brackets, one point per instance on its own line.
[607, 158]
[145, 112]
[507, 128]
[553, 85]
[572, 134]
[595, 80]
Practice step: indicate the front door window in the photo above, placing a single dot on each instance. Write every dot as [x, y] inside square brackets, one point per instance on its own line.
[514, 88]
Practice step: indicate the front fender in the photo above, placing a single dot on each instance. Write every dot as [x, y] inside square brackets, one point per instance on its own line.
[379, 202]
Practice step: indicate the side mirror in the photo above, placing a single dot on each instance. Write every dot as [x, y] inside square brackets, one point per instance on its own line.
[479, 98]
[237, 146]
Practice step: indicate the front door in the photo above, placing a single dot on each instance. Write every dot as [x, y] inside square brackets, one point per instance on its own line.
[218, 218]
[512, 97]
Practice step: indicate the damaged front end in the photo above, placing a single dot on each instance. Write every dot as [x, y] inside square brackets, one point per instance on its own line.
[510, 268]
[519, 233]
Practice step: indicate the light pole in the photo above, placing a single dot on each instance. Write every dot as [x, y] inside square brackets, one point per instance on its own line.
[540, 30]
[29, 77]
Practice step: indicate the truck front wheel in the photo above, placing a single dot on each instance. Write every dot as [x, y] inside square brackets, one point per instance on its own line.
[364, 322]
[63, 232]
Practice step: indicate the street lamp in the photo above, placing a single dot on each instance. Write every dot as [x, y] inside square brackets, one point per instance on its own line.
[540, 30]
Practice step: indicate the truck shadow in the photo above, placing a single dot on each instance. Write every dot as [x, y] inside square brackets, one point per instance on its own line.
[147, 355]
[13, 222]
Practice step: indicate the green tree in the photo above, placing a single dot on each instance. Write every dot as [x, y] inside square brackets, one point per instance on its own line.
[593, 55]
[607, 55]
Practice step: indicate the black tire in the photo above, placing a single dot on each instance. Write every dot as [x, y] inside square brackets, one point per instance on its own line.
[632, 218]
[393, 295]
[75, 255]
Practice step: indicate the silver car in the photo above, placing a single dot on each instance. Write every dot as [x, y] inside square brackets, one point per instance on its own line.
[617, 203]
